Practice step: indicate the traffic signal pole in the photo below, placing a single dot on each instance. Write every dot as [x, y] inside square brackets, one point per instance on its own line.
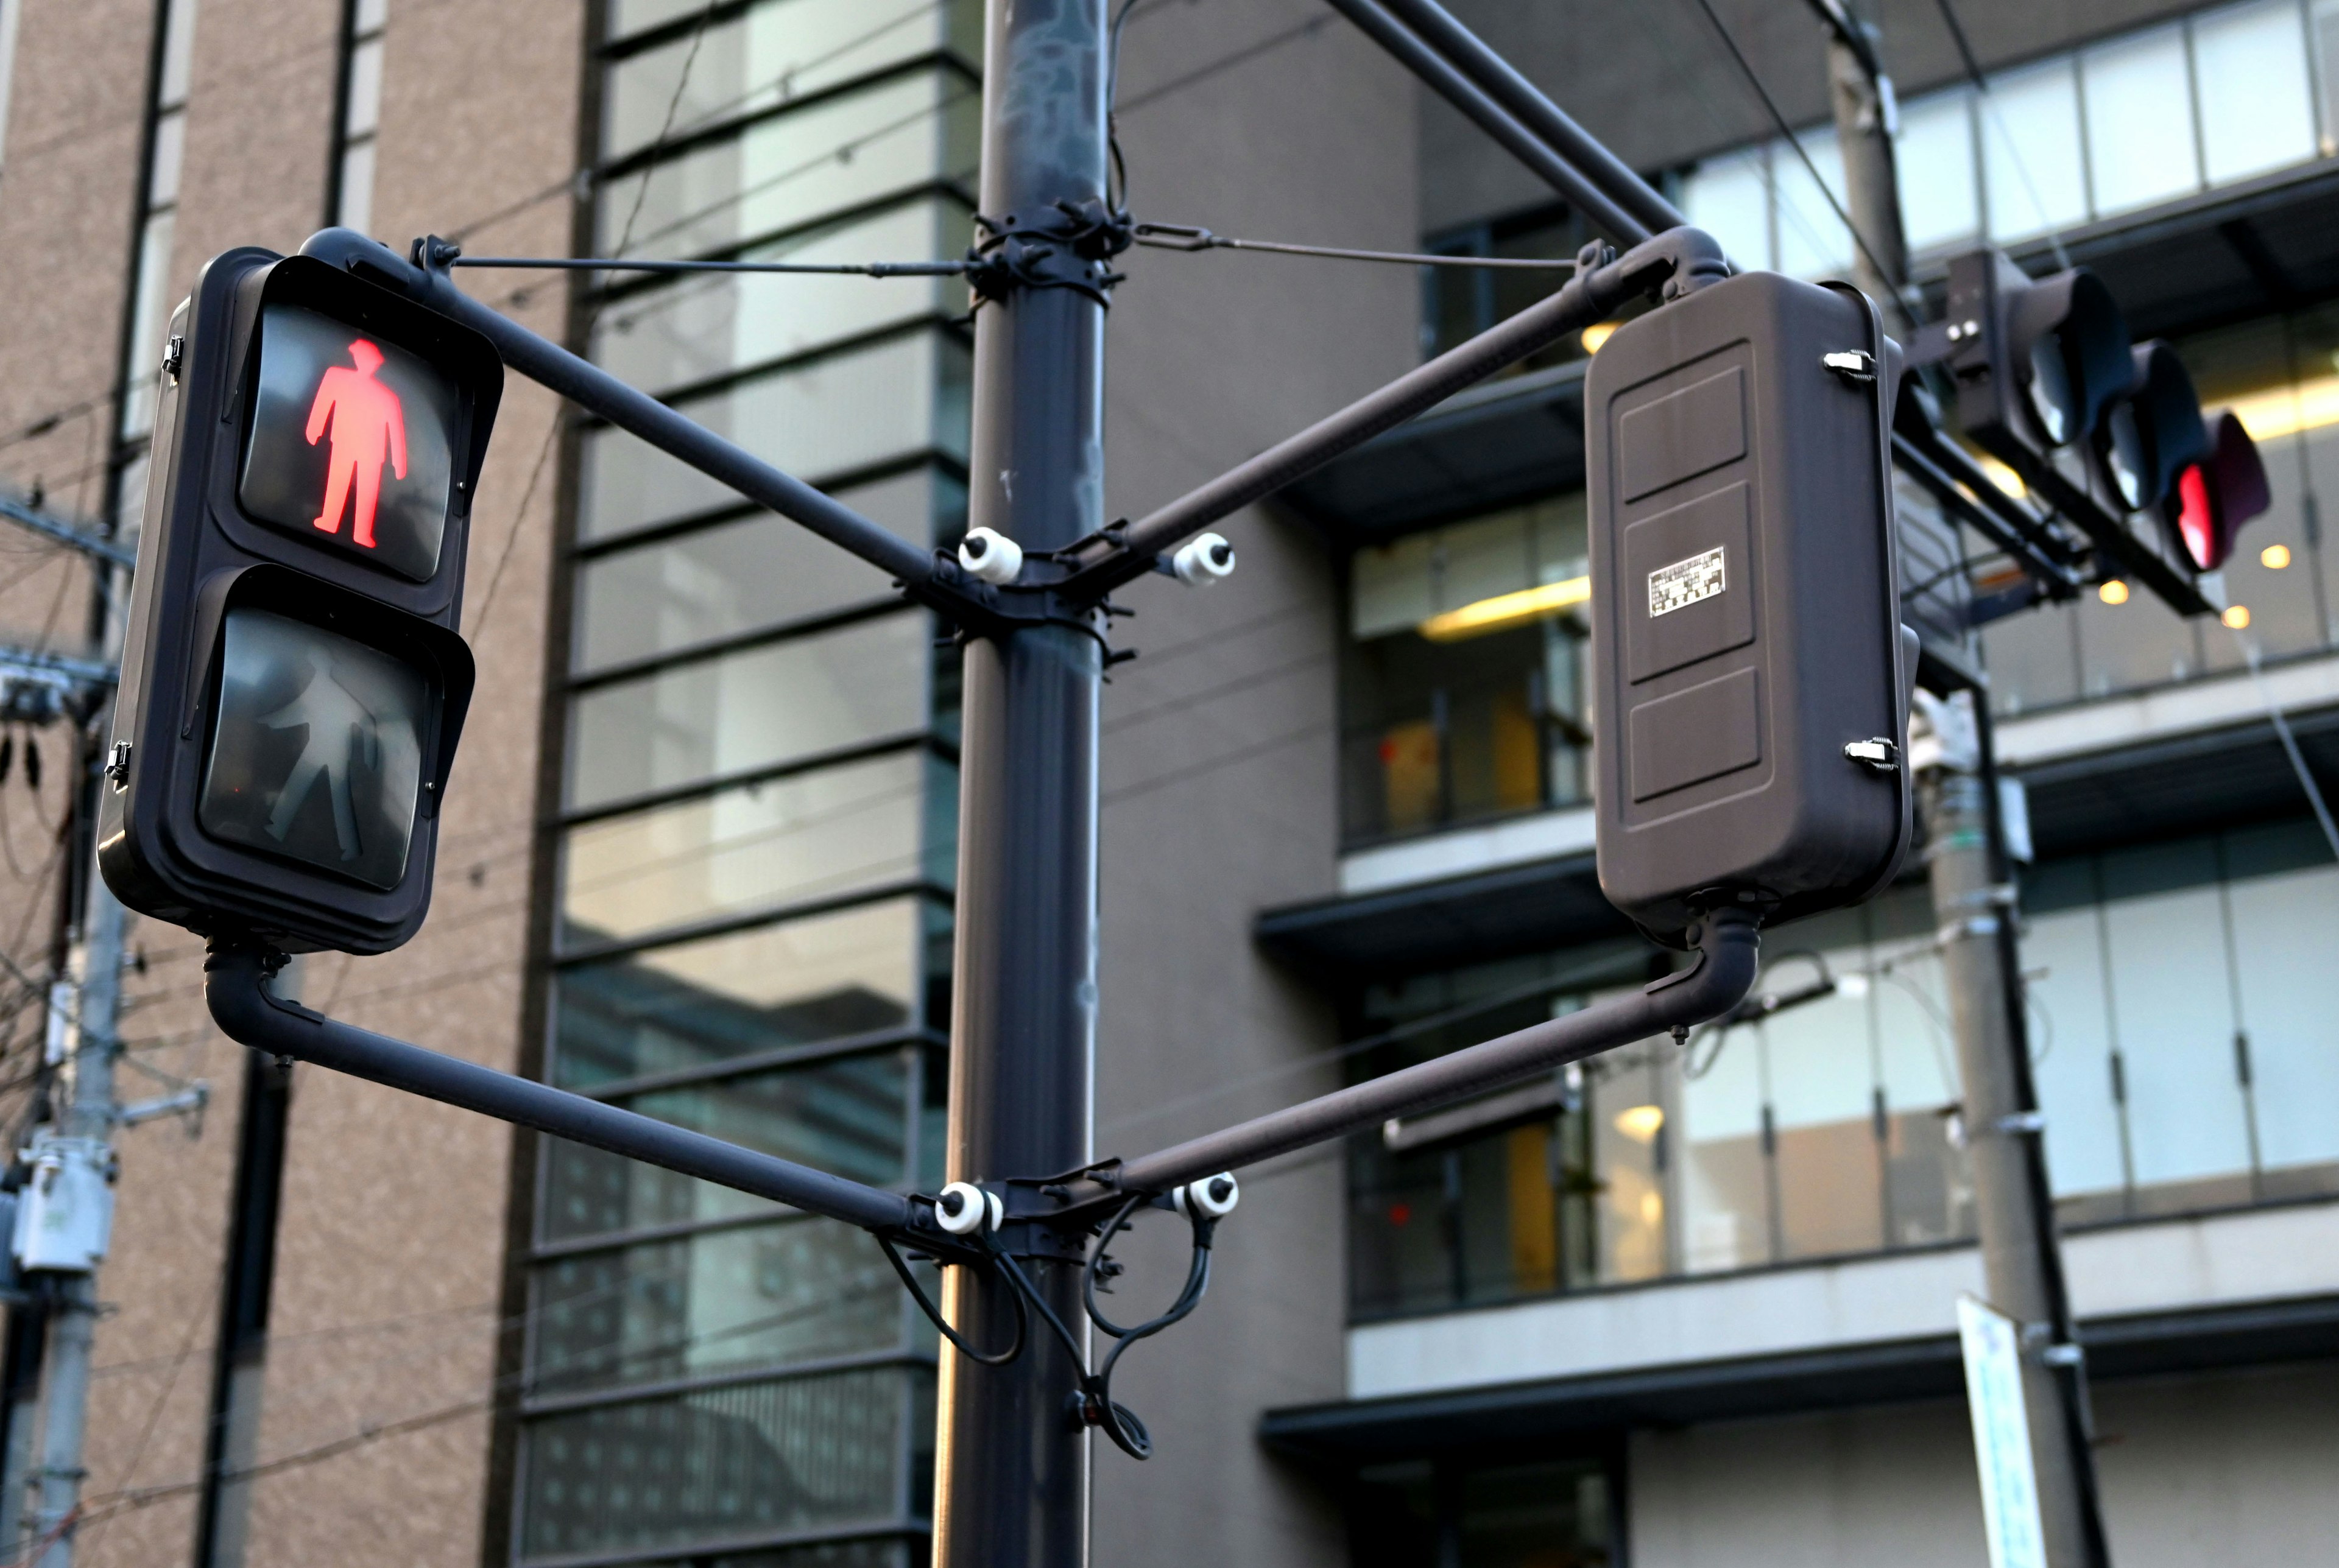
[1974, 908]
[1012, 1458]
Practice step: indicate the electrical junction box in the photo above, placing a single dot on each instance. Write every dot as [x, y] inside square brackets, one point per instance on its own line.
[1752, 677]
[65, 1214]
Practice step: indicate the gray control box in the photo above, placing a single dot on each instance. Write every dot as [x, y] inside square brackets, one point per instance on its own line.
[1751, 676]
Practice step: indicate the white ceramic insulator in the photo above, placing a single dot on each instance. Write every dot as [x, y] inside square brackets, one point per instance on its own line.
[1203, 1201]
[974, 1207]
[1204, 559]
[991, 556]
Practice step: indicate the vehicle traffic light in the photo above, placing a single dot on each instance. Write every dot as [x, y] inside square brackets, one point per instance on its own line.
[2215, 494]
[2152, 431]
[294, 683]
[2036, 363]
[1751, 722]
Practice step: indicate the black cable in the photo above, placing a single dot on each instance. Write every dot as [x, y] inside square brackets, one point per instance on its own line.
[1965, 45]
[933, 1315]
[1187, 236]
[623, 265]
[1746, 67]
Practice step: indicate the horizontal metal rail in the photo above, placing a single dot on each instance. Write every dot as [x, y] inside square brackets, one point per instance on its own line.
[1584, 300]
[235, 985]
[1503, 83]
[924, 574]
[1728, 956]
[1990, 511]
[1417, 56]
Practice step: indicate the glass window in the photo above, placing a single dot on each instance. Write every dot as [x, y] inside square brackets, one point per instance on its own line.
[696, 1306]
[1812, 240]
[850, 1118]
[698, 1004]
[2281, 914]
[755, 708]
[2256, 110]
[1940, 200]
[752, 572]
[833, 416]
[744, 1460]
[1463, 691]
[365, 89]
[2140, 146]
[772, 54]
[1422, 1513]
[2032, 172]
[697, 328]
[1729, 197]
[2323, 23]
[797, 168]
[758, 846]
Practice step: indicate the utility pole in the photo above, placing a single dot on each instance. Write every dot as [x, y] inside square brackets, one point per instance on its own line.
[71, 1187]
[1011, 1460]
[1974, 909]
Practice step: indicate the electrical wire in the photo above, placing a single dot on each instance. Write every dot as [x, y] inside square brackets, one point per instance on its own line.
[1185, 237]
[1778, 119]
[1989, 102]
[941, 1325]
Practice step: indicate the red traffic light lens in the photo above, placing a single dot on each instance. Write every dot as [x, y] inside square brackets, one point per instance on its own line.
[2196, 520]
[317, 753]
[350, 442]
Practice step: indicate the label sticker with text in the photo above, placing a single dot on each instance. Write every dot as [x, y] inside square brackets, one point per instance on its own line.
[1685, 582]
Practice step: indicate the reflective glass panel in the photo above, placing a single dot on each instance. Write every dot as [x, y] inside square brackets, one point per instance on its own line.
[850, 1118]
[797, 168]
[831, 417]
[760, 570]
[754, 708]
[697, 1003]
[317, 753]
[768, 55]
[759, 846]
[694, 329]
[747, 1460]
[766, 1295]
[2257, 111]
[2140, 147]
[1940, 200]
[1729, 198]
[1812, 240]
[2031, 165]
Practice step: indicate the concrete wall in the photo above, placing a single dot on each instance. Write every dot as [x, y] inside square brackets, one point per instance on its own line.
[374, 1426]
[1219, 755]
[1655, 83]
[2230, 1468]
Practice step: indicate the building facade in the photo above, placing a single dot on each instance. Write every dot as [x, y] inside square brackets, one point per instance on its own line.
[1692, 1304]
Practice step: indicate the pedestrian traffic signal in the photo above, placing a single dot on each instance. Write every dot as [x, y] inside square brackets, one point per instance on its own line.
[2214, 495]
[293, 684]
[1751, 723]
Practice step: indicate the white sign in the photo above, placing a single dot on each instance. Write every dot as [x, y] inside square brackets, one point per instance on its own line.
[2010, 1485]
[1685, 582]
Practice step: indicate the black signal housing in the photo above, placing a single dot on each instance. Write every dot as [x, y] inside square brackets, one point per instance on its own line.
[293, 680]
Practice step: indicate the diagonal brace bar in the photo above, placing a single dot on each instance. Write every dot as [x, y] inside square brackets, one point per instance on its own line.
[927, 576]
[235, 985]
[1729, 951]
[1522, 144]
[1679, 260]
[1503, 83]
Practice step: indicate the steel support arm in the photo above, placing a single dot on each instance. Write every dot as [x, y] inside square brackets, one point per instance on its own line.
[1503, 125]
[235, 984]
[926, 575]
[1502, 82]
[1687, 255]
[1728, 956]
[1959, 484]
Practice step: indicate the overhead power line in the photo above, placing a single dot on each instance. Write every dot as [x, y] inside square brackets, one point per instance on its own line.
[71, 534]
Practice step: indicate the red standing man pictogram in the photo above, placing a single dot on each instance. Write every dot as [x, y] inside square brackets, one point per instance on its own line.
[367, 425]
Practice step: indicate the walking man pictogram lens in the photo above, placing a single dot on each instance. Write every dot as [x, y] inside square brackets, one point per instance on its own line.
[367, 429]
